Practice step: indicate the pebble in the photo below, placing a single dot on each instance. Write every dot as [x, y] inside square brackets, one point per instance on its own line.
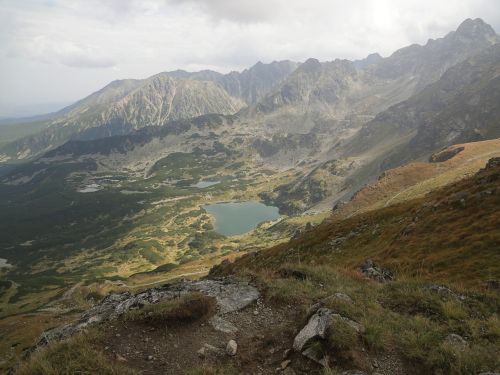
[285, 364]
[231, 348]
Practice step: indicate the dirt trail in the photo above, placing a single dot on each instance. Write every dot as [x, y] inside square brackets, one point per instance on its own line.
[173, 277]
[263, 336]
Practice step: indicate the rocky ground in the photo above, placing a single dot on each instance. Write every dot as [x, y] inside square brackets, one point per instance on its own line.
[246, 334]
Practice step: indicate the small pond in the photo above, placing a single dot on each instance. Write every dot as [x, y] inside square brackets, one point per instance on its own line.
[235, 218]
[205, 184]
[90, 188]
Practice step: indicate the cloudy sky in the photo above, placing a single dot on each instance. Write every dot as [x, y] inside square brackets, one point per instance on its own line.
[53, 52]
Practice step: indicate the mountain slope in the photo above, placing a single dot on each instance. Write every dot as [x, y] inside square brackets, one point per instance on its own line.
[416, 179]
[462, 106]
[449, 235]
[126, 105]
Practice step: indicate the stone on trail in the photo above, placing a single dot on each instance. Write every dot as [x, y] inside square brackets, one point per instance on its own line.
[316, 327]
[231, 348]
[222, 325]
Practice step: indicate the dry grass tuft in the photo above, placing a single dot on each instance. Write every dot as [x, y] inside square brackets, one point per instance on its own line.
[187, 308]
[74, 356]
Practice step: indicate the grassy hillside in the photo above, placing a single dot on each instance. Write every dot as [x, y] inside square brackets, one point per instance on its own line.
[414, 180]
[444, 252]
[450, 235]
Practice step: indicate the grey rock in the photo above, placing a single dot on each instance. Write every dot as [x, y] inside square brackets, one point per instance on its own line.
[343, 297]
[230, 296]
[316, 327]
[285, 364]
[289, 371]
[373, 271]
[222, 325]
[445, 291]
[210, 350]
[456, 340]
[316, 355]
[354, 372]
[231, 347]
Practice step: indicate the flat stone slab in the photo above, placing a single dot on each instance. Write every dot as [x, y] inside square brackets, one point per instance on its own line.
[230, 296]
[222, 325]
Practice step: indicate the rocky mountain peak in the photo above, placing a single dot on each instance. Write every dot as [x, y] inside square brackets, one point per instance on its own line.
[310, 65]
[475, 28]
[371, 59]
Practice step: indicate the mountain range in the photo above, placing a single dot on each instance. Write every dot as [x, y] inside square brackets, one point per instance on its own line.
[381, 158]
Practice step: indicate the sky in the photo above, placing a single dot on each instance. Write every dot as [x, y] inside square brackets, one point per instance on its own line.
[54, 52]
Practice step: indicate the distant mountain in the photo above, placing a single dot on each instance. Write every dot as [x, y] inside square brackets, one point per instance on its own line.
[422, 65]
[251, 85]
[462, 106]
[342, 89]
[125, 105]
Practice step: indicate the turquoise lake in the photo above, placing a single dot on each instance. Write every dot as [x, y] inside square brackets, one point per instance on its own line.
[240, 217]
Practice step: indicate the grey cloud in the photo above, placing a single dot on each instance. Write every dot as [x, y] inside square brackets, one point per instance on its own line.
[236, 11]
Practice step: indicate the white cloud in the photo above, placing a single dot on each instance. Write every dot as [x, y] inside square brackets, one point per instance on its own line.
[52, 43]
[54, 50]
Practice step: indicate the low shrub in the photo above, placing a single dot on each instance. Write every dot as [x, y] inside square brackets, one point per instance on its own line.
[187, 308]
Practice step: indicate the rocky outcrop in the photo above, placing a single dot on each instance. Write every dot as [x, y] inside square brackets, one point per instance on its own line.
[373, 271]
[317, 328]
[230, 296]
